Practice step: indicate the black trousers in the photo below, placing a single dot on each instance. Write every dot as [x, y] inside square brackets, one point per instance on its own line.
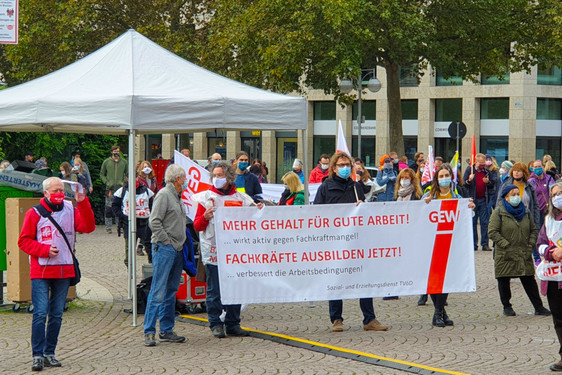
[554, 296]
[530, 286]
[439, 301]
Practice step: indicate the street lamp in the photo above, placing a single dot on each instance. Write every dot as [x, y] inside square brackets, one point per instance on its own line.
[374, 85]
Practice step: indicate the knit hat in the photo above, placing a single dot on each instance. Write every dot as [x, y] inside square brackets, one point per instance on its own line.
[381, 160]
[507, 164]
[40, 164]
[488, 156]
[507, 188]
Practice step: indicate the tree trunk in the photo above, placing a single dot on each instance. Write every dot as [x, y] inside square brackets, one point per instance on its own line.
[394, 109]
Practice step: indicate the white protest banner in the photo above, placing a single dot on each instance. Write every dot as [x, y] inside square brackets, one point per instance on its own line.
[197, 181]
[343, 251]
[272, 192]
[9, 14]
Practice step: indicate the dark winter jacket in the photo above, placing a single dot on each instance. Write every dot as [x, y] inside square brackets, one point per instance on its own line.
[514, 241]
[252, 186]
[471, 185]
[337, 190]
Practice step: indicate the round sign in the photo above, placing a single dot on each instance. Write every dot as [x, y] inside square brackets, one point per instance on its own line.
[453, 129]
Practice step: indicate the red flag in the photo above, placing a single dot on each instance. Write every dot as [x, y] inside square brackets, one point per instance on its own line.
[473, 154]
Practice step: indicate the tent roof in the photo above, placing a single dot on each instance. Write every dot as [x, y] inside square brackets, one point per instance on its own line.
[133, 83]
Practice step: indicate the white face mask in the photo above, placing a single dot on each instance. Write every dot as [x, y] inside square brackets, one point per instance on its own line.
[557, 202]
[405, 183]
[219, 182]
[324, 166]
[146, 170]
[75, 168]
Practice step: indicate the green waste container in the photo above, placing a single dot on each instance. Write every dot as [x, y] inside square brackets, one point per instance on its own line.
[5, 193]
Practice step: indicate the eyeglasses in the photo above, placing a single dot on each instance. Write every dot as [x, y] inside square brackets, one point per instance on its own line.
[558, 194]
[343, 165]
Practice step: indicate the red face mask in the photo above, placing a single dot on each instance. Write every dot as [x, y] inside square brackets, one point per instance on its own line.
[56, 198]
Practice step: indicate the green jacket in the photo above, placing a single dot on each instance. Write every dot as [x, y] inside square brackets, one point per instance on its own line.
[113, 173]
[513, 242]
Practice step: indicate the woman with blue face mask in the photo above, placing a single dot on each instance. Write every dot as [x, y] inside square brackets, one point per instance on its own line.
[442, 187]
[514, 233]
[339, 187]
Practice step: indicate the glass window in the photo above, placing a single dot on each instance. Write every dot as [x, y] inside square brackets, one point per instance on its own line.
[217, 145]
[324, 145]
[410, 148]
[493, 109]
[496, 146]
[367, 150]
[410, 109]
[451, 81]
[448, 109]
[550, 146]
[325, 110]
[408, 76]
[549, 76]
[495, 80]
[446, 148]
[368, 110]
[549, 109]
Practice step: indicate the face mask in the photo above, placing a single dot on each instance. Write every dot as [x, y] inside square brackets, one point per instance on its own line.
[531, 169]
[324, 166]
[56, 198]
[503, 171]
[395, 161]
[445, 182]
[539, 171]
[116, 155]
[405, 183]
[557, 202]
[75, 168]
[243, 165]
[421, 170]
[286, 187]
[359, 173]
[515, 200]
[184, 185]
[146, 170]
[219, 182]
[344, 172]
[488, 162]
[215, 161]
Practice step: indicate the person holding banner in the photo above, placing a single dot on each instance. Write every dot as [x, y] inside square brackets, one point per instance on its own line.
[340, 188]
[549, 245]
[223, 193]
[513, 230]
[442, 187]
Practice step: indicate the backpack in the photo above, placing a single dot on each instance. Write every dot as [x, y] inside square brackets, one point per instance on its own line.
[143, 288]
[189, 261]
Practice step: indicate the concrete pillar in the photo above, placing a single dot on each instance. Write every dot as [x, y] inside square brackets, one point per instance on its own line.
[268, 153]
[168, 145]
[523, 116]
[233, 144]
[310, 138]
[383, 132]
[200, 146]
[140, 147]
[426, 124]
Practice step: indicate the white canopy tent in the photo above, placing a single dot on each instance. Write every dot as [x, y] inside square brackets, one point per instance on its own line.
[133, 86]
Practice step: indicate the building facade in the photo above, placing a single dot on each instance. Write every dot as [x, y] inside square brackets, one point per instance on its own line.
[517, 116]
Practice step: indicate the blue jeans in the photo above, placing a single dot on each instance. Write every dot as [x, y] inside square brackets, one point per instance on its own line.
[214, 304]
[44, 342]
[167, 265]
[366, 304]
[480, 212]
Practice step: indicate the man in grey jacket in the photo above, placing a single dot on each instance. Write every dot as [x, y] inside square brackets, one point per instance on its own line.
[167, 221]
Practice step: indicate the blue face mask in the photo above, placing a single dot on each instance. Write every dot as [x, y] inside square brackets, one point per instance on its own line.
[344, 172]
[184, 185]
[445, 182]
[515, 200]
[539, 171]
[243, 165]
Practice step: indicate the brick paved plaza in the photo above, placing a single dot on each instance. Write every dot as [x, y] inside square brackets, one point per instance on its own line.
[97, 337]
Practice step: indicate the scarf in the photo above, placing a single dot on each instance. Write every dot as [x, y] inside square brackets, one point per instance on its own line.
[517, 212]
[404, 193]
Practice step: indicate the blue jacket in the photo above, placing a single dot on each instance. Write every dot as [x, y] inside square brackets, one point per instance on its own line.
[251, 186]
[387, 178]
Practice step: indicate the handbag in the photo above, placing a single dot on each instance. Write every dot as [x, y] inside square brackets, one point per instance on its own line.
[549, 271]
[77, 274]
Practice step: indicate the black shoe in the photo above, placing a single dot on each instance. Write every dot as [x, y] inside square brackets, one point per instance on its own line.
[51, 361]
[218, 332]
[446, 320]
[556, 366]
[486, 248]
[236, 331]
[389, 298]
[423, 300]
[438, 319]
[508, 311]
[149, 340]
[37, 364]
[543, 311]
[170, 337]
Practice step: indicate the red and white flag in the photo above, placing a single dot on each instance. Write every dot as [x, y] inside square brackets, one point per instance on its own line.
[198, 180]
[429, 168]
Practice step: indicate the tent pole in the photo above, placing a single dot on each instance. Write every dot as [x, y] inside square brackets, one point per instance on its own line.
[132, 226]
[305, 163]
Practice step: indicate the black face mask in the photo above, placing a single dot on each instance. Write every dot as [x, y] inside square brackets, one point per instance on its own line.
[518, 179]
[115, 155]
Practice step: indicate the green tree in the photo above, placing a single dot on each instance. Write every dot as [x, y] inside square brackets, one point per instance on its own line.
[292, 45]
